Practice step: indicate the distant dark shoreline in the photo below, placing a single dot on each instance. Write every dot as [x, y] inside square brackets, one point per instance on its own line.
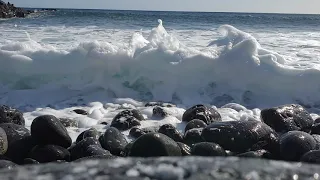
[133, 10]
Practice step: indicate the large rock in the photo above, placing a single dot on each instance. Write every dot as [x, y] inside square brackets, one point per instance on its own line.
[241, 136]
[49, 153]
[8, 10]
[20, 141]
[202, 112]
[92, 132]
[207, 149]
[196, 123]
[113, 141]
[47, 129]
[287, 118]
[11, 115]
[294, 144]
[127, 119]
[153, 145]
[193, 136]
[172, 132]
[87, 147]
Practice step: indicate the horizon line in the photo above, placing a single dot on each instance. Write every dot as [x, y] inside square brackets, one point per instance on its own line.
[188, 11]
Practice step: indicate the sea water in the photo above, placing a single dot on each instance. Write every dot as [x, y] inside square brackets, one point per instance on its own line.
[105, 61]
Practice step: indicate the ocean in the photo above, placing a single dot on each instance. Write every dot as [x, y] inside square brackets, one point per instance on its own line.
[106, 60]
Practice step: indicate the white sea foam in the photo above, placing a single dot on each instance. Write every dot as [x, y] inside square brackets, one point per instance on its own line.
[158, 67]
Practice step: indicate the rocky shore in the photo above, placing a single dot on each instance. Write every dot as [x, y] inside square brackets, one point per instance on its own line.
[8, 10]
[285, 133]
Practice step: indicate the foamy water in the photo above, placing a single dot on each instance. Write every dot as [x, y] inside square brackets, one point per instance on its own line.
[105, 61]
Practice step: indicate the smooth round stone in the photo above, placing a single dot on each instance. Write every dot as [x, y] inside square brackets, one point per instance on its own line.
[315, 129]
[161, 104]
[241, 136]
[256, 154]
[311, 157]
[172, 132]
[114, 141]
[316, 121]
[193, 136]
[68, 122]
[136, 132]
[3, 142]
[196, 123]
[207, 149]
[5, 164]
[92, 132]
[202, 112]
[30, 161]
[49, 153]
[294, 144]
[286, 118]
[86, 148]
[47, 129]
[11, 115]
[159, 112]
[20, 141]
[154, 145]
[185, 149]
[80, 111]
[127, 119]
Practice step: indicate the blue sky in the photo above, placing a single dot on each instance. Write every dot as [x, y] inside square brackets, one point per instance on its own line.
[280, 6]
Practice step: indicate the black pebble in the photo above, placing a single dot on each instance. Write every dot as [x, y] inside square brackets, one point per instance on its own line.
[127, 119]
[3, 142]
[185, 149]
[193, 136]
[202, 112]
[30, 161]
[196, 123]
[104, 123]
[136, 132]
[294, 144]
[286, 118]
[127, 149]
[207, 149]
[154, 145]
[5, 164]
[159, 112]
[171, 132]
[241, 136]
[92, 132]
[256, 154]
[81, 111]
[11, 115]
[113, 141]
[315, 129]
[20, 141]
[68, 122]
[49, 153]
[161, 104]
[47, 129]
[317, 121]
[87, 147]
[311, 157]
